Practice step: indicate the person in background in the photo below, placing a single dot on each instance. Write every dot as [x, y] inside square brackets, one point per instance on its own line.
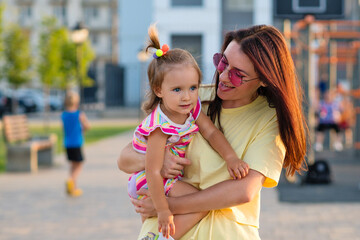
[74, 123]
[328, 112]
[347, 115]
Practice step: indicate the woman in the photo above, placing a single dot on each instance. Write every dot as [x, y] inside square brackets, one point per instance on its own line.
[258, 107]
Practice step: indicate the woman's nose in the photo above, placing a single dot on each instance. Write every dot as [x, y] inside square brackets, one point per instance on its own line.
[224, 75]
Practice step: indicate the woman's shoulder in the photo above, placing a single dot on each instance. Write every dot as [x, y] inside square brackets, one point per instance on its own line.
[206, 92]
[263, 109]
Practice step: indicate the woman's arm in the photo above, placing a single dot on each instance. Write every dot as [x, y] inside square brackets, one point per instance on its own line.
[131, 161]
[225, 194]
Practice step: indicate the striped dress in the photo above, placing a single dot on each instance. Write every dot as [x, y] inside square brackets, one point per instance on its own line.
[181, 134]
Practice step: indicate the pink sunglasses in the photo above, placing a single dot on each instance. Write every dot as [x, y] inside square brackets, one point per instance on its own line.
[234, 75]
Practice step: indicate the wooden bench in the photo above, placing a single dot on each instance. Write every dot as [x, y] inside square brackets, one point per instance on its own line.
[24, 152]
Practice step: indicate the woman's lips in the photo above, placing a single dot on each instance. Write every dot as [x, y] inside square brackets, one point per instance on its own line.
[224, 88]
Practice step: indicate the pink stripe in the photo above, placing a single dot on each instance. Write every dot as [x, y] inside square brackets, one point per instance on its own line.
[139, 147]
[140, 184]
[152, 118]
[165, 130]
[183, 143]
[169, 130]
[196, 110]
[143, 132]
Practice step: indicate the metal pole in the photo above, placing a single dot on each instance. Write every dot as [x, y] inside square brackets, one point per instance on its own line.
[311, 92]
[356, 85]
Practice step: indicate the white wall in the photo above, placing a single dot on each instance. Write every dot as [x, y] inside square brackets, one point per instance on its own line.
[263, 12]
[204, 20]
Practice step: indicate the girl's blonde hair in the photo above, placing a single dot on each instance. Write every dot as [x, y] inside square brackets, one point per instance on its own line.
[71, 99]
[159, 66]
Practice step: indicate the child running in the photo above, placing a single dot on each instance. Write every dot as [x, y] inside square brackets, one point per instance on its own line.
[74, 123]
[175, 116]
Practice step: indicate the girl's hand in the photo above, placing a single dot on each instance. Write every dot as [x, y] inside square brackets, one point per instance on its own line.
[166, 223]
[237, 168]
[173, 165]
[144, 206]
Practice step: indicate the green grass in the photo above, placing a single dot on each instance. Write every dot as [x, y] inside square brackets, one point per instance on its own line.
[95, 134]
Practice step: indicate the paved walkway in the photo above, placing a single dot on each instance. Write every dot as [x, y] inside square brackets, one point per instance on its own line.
[35, 207]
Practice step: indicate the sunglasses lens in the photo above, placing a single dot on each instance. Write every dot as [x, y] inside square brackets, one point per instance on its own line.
[234, 78]
[217, 62]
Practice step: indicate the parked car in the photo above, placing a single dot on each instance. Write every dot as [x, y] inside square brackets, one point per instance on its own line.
[36, 97]
[31, 100]
[24, 104]
[4, 105]
[28, 100]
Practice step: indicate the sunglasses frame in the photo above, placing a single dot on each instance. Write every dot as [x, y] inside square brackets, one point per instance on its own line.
[238, 81]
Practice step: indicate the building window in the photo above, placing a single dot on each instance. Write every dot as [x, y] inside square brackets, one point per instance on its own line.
[60, 14]
[239, 5]
[186, 3]
[94, 38]
[25, 15]
[192, 43]
[91, 14]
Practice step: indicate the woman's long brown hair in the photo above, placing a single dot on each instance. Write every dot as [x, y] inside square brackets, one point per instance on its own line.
[266, 48]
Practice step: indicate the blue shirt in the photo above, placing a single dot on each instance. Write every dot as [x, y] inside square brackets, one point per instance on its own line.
[72, 129]
[328, 111]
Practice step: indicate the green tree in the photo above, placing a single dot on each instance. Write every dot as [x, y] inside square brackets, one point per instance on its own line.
[17, 56]
[60, 64]
[50, 57]
[86, 56]
[17, 59]
[1, 37]
[51, 41]
[76, 63]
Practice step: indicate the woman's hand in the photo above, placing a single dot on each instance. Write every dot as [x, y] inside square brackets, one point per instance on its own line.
[173, 165]
[131, 161]
[144, 206]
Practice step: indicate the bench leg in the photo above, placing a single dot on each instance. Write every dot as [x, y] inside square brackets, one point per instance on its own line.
[21, 160]
[45, 157]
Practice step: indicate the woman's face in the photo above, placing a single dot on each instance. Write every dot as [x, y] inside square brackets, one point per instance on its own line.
[247, 92]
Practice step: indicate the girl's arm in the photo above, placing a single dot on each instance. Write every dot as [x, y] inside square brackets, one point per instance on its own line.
[154, 159]
[236, 167]
[131, 161]
[225, 194]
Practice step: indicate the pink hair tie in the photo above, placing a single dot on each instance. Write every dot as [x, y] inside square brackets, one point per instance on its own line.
[162, 51]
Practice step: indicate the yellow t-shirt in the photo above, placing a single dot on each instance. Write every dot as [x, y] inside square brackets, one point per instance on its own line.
[252, 131]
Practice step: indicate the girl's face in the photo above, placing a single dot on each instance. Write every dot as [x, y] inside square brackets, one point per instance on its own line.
[247, 92]
[179, 92]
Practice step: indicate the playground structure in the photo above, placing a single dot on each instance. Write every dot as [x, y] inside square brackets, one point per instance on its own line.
[331, 48]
